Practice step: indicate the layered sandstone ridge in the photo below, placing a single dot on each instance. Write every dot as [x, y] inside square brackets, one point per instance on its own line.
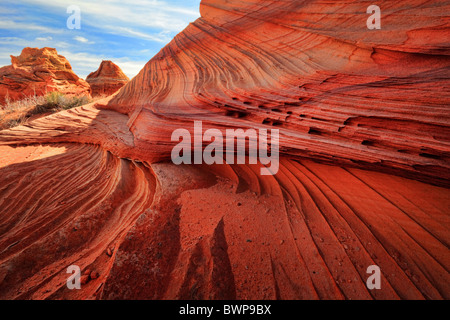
[364, 170]
[36, 72]
[107, 79]
[337, 91]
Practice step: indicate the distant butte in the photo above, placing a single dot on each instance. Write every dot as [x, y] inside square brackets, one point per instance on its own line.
[107, 79]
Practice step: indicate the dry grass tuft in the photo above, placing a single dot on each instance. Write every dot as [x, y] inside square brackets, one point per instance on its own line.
[19, 112]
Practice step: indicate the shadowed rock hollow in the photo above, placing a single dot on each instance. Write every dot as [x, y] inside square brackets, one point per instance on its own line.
[364, 170]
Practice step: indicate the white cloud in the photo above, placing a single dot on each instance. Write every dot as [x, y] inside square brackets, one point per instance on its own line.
[11, 24]
[134, 14]
[8, 11]
[44, 39]
[13, 41]
[83, 40]
[142, 35]
[13, 44]
[5, 58]
[130, 68]
[62, 45]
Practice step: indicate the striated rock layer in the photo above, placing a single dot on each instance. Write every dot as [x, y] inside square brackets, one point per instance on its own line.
[107, 79]
[337, 91]
[36, 72]
[364, 171]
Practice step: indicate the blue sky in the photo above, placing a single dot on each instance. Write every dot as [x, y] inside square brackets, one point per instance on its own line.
[128, 32]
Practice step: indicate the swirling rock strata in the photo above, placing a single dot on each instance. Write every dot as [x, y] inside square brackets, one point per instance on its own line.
[63, 205]
[90, 186]
[337, 91]
[302, 234]
[160, 231]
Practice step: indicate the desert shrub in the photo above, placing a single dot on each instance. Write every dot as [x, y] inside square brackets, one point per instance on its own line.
[55, 98]
[74, 102]
[64, 102]
[16, 113]
[27, 102]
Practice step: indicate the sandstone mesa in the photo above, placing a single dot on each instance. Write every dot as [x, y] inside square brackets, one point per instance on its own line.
[36, 72]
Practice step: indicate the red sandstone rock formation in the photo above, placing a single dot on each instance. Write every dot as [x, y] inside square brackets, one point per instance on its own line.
[36, 72]
[364, 176]
[107, 79]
